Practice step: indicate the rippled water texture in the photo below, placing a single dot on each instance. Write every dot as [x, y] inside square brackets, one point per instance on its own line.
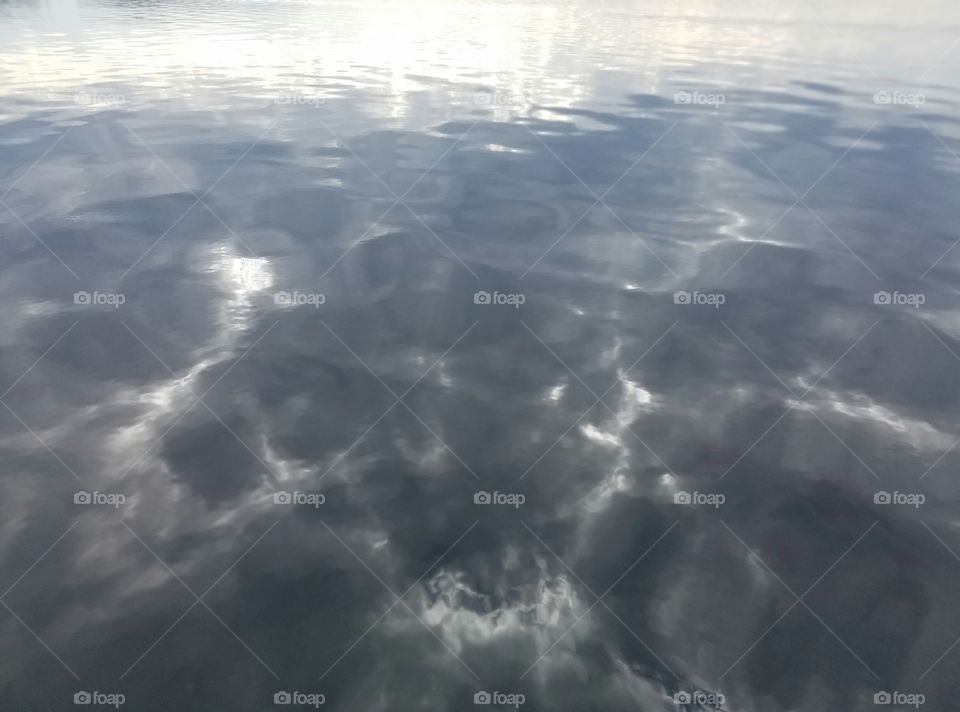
[407, 355]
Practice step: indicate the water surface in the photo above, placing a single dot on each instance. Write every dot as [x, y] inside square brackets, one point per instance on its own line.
[713, 398]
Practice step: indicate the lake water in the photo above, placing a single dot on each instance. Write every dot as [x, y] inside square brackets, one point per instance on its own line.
[557, 355]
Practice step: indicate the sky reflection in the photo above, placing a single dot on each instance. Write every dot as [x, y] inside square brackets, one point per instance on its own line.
[702, 206]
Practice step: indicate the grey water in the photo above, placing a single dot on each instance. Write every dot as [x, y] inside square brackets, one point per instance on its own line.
[427, 355]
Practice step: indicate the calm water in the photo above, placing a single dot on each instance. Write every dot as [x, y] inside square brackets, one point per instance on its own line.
[588, 356]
